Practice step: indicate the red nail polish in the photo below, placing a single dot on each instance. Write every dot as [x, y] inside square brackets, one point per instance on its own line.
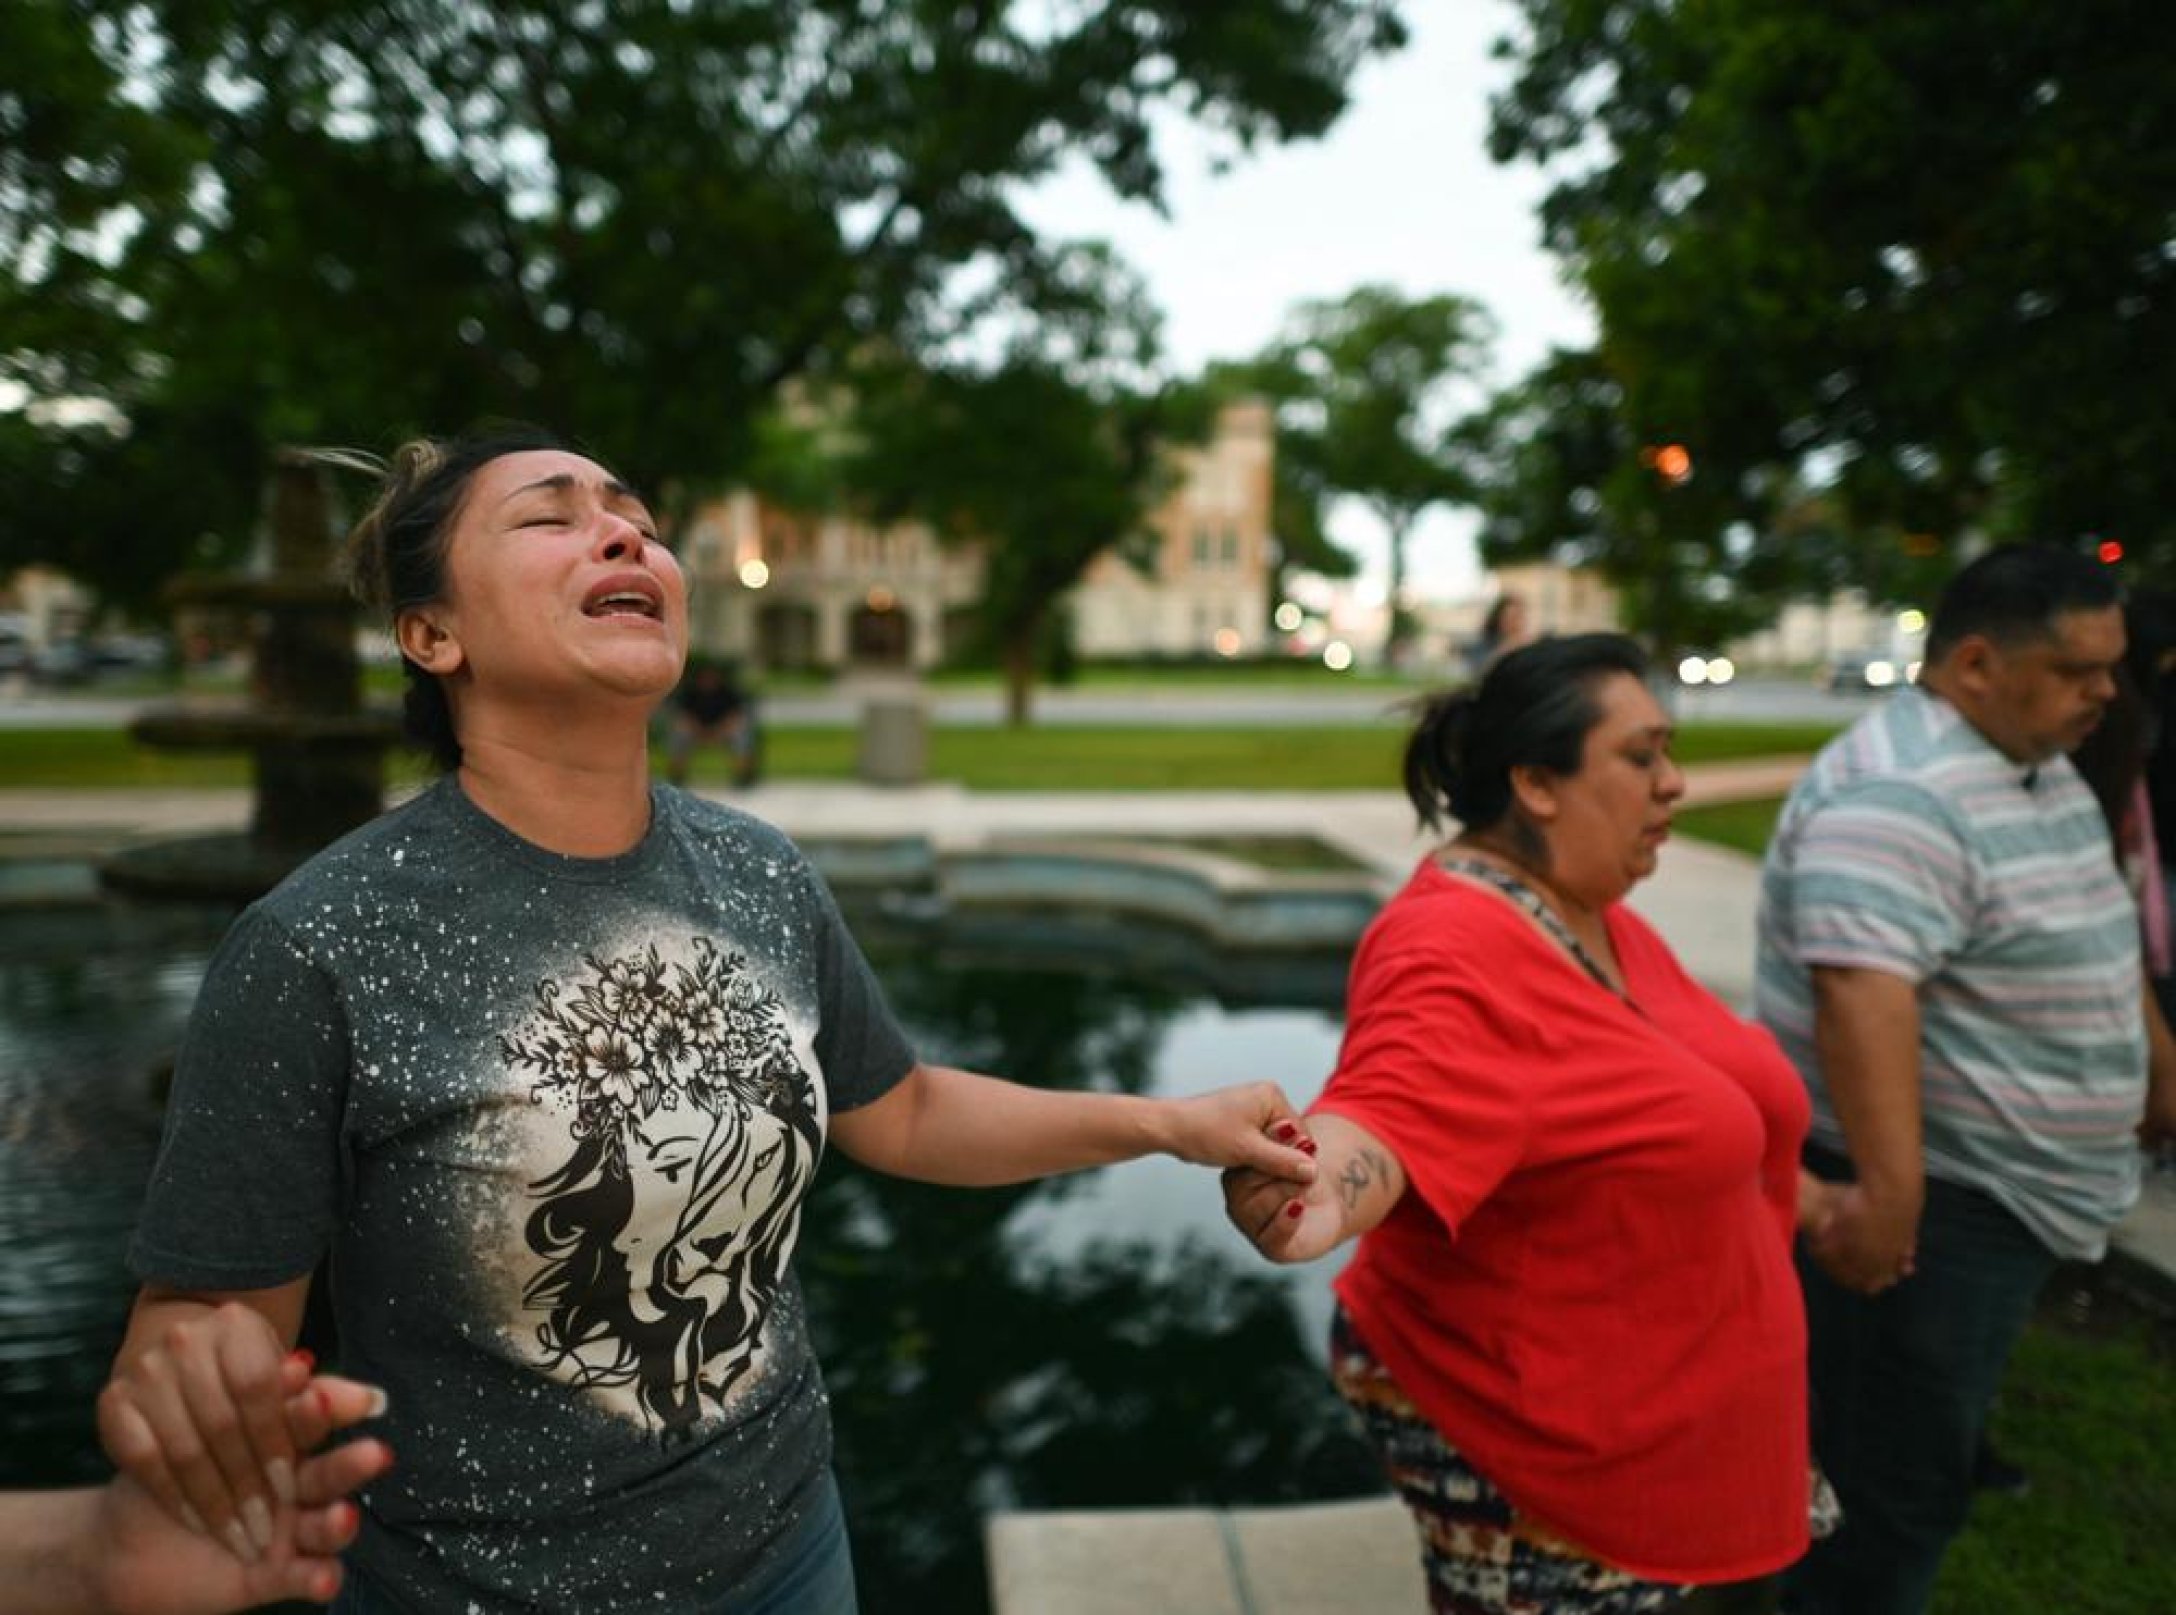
[1295, 1209]
[1285, 1130]
[1309, 1145]
[304, 1356]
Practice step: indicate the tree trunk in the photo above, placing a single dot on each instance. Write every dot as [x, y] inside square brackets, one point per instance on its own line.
[1400, 627]
[1019, 664]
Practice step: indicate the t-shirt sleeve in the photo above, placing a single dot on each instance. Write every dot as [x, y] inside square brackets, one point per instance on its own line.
[1881, 881]
[247, 1187]
[1438, 1065]
[859, 1043]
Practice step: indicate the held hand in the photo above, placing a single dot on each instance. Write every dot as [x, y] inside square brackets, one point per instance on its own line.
[1818, 1204]
[1251, 1126]
[2158, 1126]
[198, 1421]
[1869, 1244]
[1284, 1226]
[146, 1564]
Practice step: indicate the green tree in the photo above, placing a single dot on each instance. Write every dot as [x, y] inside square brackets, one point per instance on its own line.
[1918, 260]
[1044, 458]
[272, 220]
[1564, 472]
[1367, 391]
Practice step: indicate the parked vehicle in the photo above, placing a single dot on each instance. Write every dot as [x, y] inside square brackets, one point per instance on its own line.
[64, 661]
[14, 643]
[131, 652]
[1865, 671]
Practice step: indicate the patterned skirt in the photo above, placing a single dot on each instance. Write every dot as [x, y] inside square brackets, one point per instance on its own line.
[1482, 1556]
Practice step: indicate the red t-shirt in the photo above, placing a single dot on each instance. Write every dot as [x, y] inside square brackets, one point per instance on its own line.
[1588, 1287]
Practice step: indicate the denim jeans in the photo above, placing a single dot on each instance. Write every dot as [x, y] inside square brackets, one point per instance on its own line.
[813, 1573]
[1902, 1382]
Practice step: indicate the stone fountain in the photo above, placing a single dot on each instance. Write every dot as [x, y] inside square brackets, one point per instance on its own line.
[318, 751]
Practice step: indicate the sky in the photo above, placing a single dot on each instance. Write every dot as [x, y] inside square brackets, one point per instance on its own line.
[1400, 192]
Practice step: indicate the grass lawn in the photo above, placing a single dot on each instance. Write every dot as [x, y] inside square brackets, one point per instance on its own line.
[1743, 825]
[1323, 757]
[2089, 1412]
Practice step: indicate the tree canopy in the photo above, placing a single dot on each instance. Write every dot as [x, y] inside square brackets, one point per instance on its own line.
[1045, 457]
[1366, 387]
[230, 225]
[1917, 261]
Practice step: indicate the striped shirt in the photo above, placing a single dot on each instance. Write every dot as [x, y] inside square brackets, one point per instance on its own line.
[1913, 846]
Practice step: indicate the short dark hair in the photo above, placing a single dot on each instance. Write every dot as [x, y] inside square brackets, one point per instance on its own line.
[396, 555]
[2014, 594]
[1533, 709]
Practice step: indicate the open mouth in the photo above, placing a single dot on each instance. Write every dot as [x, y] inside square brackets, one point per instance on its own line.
[624, 603]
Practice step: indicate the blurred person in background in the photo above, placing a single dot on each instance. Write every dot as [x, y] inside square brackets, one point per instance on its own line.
[711, 708]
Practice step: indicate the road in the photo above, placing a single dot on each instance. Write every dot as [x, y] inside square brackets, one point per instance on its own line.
[1749, 700]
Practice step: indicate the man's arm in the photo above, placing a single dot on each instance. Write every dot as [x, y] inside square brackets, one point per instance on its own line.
[2158, 1126]
[1866, 1035]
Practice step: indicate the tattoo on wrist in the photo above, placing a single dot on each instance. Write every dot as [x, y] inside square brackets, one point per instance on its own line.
[1366, 1169]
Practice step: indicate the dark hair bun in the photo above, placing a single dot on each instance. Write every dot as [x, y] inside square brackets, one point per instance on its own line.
[1532, 710]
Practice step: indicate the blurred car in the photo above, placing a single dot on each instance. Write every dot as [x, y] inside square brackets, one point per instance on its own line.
[63, 661]
[1697, 669]
[132, 653]
[1868, 672]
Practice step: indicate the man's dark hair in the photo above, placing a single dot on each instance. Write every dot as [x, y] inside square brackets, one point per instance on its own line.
[2014, 594]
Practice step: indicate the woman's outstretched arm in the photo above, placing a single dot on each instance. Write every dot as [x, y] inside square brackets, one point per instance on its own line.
[940, 1125]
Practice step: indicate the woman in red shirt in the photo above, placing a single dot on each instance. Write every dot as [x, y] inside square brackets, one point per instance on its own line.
[1572, 1325]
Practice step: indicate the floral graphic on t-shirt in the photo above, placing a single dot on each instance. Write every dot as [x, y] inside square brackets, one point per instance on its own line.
[665, 1235]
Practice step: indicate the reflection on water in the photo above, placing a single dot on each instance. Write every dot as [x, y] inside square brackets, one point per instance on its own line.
[89, 1006]
[1100, 1340]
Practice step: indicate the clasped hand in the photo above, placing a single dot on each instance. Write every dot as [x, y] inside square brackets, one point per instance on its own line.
[214, 1425]
[1863, 1242]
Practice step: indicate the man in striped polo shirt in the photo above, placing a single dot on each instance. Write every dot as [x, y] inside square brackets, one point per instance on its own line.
[1950, 956]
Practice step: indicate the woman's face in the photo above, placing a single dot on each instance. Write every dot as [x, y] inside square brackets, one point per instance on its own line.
[1605, 825]
[556, 589]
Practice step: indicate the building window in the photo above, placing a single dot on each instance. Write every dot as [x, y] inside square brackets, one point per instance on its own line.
[1201, 547]
[1231, 546]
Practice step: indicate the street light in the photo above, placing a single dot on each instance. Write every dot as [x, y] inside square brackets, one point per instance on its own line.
[1672, 462]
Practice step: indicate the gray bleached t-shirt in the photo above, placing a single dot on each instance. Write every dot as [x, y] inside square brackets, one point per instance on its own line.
[553, 1119]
